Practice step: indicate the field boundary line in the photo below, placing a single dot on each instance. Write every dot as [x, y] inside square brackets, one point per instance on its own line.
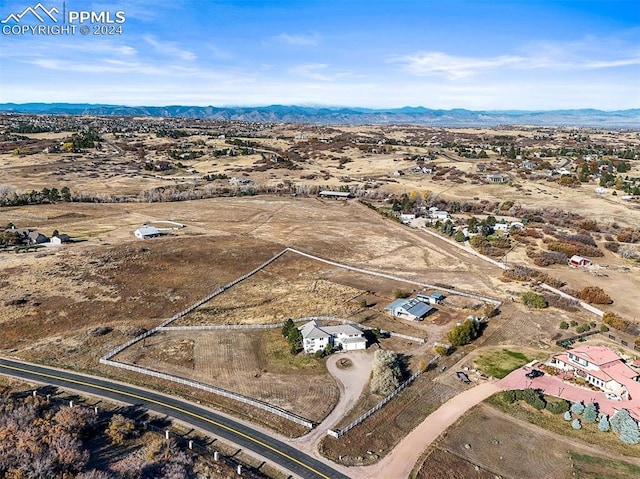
[223, 327]
[396, 278]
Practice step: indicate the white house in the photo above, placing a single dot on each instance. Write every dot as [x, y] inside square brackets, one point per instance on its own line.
[600, 367]
[437, 214]
[60, 238]
[315, 337]
[145, 232]
[406, 217]
[413, 309]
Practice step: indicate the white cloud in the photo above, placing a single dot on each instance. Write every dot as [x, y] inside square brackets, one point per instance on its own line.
[299, 40]
[453, 67]
[589, 53]
[170, 49]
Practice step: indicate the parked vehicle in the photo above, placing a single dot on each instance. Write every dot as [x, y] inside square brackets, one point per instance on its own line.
[613, 397]
[534, 373]
[463, 377]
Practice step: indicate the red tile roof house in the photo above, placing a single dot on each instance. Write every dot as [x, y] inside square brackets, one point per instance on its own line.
[604, 369]
[601, 367]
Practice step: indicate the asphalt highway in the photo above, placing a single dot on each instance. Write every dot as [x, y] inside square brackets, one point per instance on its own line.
[244, 436]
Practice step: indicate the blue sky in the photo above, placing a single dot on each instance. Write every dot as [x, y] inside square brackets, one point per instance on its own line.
[475, 54]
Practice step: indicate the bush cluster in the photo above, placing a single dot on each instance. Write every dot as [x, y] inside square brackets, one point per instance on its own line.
[533, 300]
[595, 295]
[464, 332]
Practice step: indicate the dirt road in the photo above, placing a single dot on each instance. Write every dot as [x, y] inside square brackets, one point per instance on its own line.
[402, 459]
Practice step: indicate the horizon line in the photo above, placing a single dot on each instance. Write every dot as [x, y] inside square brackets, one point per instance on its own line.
[317, 107]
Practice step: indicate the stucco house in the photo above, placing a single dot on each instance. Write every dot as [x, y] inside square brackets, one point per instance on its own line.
[315, 337]
[601, 367]
[413, 309]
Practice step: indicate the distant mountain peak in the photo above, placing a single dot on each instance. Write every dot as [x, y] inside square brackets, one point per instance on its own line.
[416, 115]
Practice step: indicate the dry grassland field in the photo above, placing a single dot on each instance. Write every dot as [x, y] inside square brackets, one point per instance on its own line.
[69, 305]
[486, 444]
[254, 363]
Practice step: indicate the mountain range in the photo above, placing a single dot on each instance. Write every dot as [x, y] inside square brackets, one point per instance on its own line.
[348, 116]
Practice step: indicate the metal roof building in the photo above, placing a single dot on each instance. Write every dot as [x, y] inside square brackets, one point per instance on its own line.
[412, 309]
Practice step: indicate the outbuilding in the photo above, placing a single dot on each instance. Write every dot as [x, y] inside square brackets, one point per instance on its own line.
[145, 232]
[579, 261]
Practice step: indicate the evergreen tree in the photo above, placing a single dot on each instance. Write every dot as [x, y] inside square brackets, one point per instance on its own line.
[567, 416]
[590, 413]
[603, 424]
[577, 408]
[576, 424]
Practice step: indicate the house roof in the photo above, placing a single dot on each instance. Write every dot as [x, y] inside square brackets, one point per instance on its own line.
[413, 306]
[598, 355]
[346, 329]
[418, 309]
[148, 231]
[312, 330]
[335, 193]
[578, 259]
[395, 304]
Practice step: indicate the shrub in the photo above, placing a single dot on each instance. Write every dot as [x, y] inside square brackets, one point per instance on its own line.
[441, 350]
[509, 396]
[615, 321]
[464, 333]
[557, 406]
[533, 300]
[534, 398]
[576, 424]
[604, 328]
[595, 295]
[603, 424]
[120, 428]
[573, 323]
[590, 413]
[577, 408]
[564, 325]
[612, 246]
[398, 293]
[567, 416]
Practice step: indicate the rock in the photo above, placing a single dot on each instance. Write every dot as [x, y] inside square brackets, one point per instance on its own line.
[467, 446]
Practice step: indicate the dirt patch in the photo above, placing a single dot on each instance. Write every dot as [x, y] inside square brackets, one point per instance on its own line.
[254, 363]
[444, 464]
[487, 442]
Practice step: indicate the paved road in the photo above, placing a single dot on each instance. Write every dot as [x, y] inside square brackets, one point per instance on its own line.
[244, 436]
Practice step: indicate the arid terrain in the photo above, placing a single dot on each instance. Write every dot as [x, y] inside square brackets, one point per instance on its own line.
[244, 192]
